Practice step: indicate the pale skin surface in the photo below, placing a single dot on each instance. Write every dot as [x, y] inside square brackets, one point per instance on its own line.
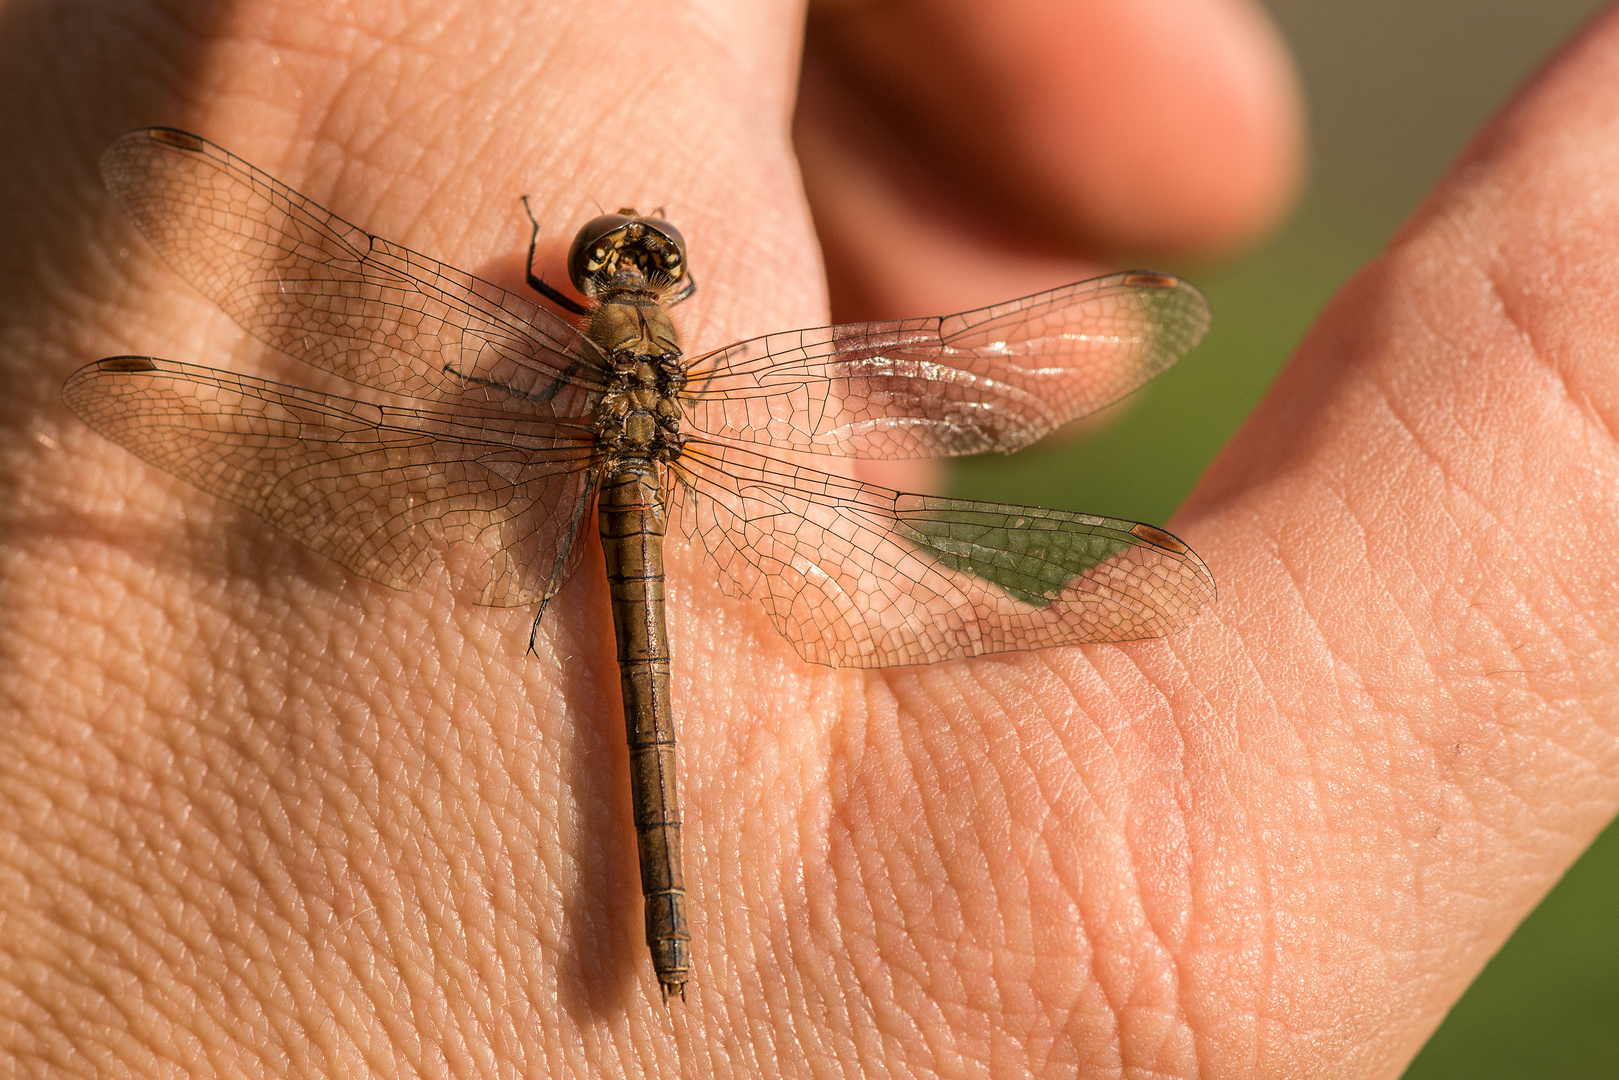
[260, 818]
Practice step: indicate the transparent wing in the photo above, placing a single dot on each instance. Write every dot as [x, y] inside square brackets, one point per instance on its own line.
[383, 490]
[997, 378]
[860, 576]
[310, 284]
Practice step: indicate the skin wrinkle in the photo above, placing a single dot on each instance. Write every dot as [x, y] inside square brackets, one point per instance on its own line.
[1073, 781]
[1271, 897]
[292, 920]
[1008, 995]
[953, 927]
[1044, 836]
[909, 980]
[1069, 1013]
[1092, 944]
[1168, 970]
[1122, 754]
[1490, 705]
[1589, 413]
[1506, 301]
[990, 798]
[928, 931]
[1347, 694]
[1522, 333]
[1258, 961]
[1112, 986]
[116, 913]
[1443, 465]
[1443, 684]
[852, 749]
[871, 986]
[1177, 756]
[381, 927]
[1155, 1037]
[1545, 357]
[1324, 797]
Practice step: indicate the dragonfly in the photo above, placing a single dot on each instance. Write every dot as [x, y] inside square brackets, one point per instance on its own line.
[486, 430]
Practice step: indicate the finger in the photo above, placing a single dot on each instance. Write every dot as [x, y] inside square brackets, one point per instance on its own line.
[1039, 130]
[1416, 541]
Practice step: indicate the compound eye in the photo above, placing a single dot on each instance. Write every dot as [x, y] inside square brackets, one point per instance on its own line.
[591, 246]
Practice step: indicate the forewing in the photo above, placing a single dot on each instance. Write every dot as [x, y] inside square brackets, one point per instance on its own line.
[860, 576]
[306, 282]
[382, 490]
[993, 379]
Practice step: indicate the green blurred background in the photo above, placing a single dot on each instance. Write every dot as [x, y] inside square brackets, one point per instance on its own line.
[1394, 89]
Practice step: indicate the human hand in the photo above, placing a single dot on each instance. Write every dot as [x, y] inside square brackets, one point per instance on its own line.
[262, 816]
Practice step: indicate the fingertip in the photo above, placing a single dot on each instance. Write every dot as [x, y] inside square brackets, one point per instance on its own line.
[1159, 127]
[1171, 126]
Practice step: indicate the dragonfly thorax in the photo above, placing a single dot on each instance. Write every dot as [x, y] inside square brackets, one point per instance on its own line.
[631, 327]
[640, 414]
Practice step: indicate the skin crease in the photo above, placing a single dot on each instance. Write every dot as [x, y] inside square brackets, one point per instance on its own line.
[260, 818]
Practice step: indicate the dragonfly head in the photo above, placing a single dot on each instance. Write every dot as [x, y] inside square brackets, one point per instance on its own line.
[626, 251]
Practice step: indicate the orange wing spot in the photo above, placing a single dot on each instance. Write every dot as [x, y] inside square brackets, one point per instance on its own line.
[1147, 280]
[182, 139]
[1159, 538]
[128, 363]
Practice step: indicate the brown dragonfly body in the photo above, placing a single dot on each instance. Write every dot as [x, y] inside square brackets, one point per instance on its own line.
[489, 426]
[632, 266]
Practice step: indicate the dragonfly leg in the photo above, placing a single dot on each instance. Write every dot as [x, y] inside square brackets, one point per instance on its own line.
[537, 283]
[550, 391]
[683, 292]
[557, 578]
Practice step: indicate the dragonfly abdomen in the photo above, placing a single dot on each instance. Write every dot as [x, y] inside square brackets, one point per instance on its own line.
[632, 518]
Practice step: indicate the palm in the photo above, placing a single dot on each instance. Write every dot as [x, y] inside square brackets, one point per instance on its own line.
[409, 834]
